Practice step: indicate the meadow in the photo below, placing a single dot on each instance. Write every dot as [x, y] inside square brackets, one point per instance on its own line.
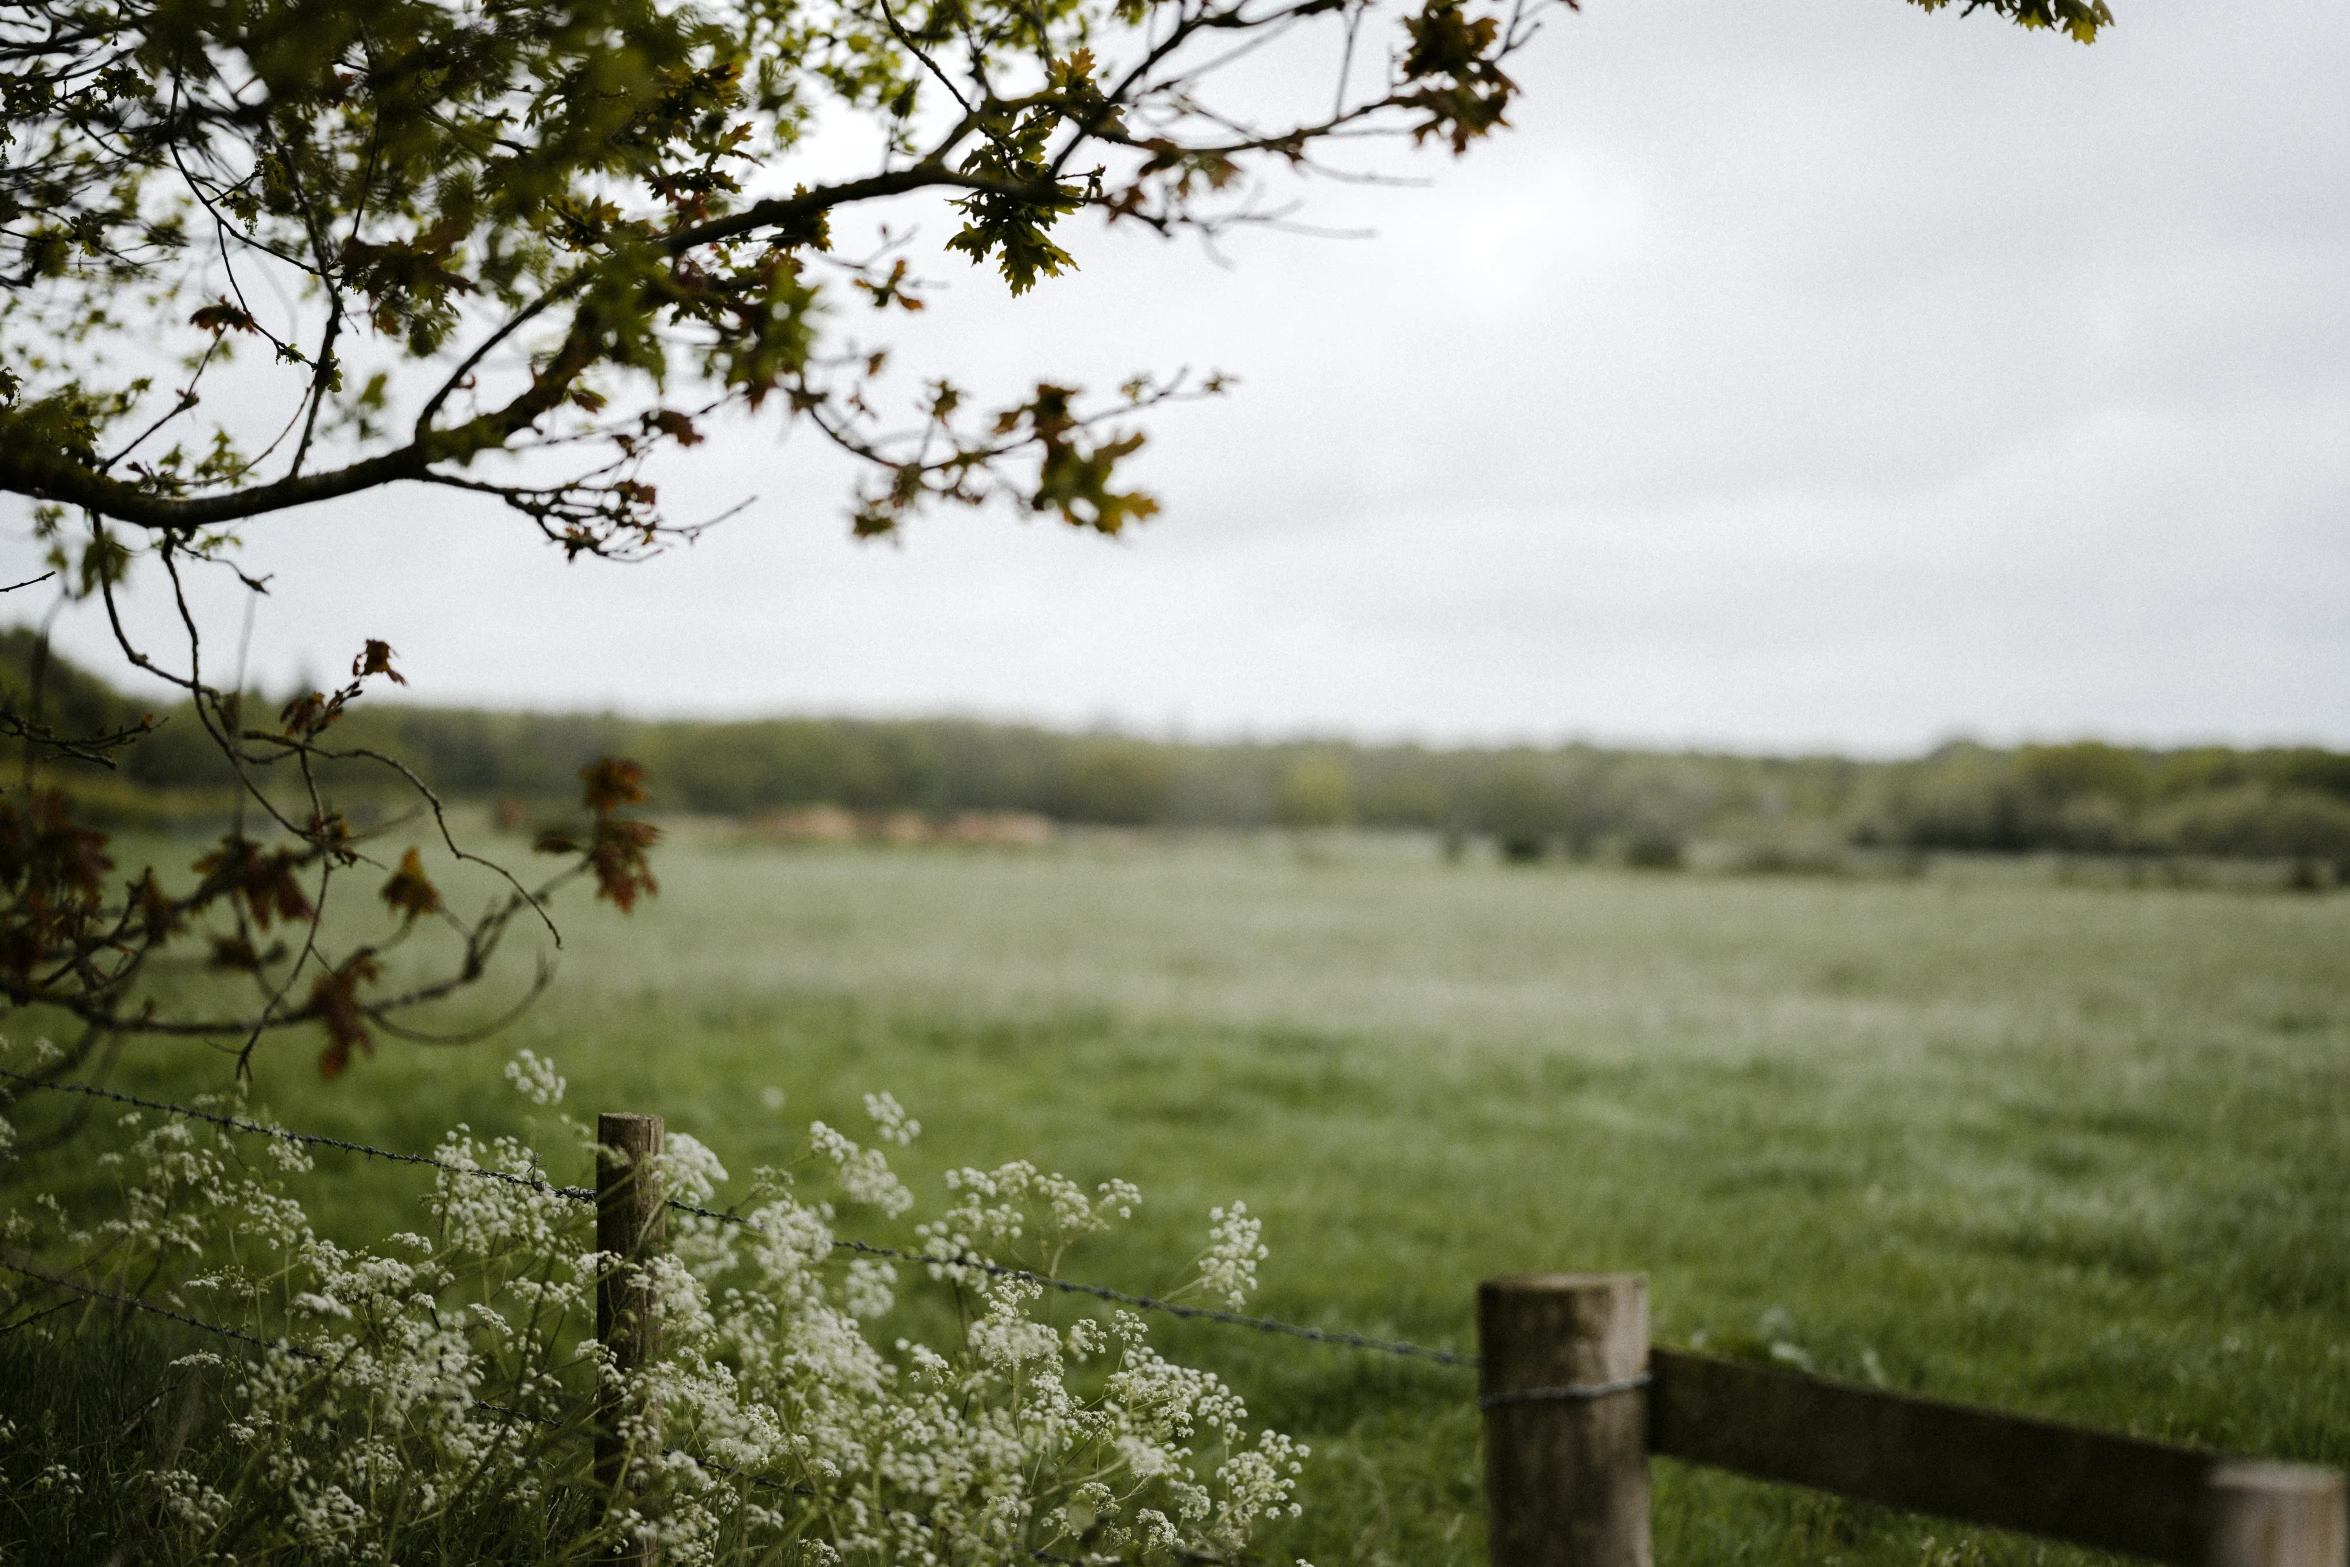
[2077, 1149]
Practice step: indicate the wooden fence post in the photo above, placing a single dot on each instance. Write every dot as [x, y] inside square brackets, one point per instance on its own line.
[628, 1224]
[2275, 1515]
[1566, 1421]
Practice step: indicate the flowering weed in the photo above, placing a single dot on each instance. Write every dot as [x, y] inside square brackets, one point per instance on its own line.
[430, 1397]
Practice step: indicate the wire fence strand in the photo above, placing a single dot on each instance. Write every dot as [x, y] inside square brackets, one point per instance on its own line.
[136, 1304]
[298, 1351]
[1339, 1337]
[305, 1139]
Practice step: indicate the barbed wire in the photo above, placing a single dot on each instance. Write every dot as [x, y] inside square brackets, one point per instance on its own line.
[1340, 1337]
[133, 1301]
[306, 1139]
[298, 1351]
[763, 1481]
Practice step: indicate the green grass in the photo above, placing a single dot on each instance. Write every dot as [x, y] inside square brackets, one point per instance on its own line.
[2081, 1151]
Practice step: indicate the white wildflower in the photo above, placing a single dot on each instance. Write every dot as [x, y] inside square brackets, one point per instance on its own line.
[865, 1175]
[57, 1480]
[191, 1501]
[690, 1172]
[890, 1121]
[1229, 1266]
[871, 1289]
[290, 1156]
[535, 1078]
[409, 1381]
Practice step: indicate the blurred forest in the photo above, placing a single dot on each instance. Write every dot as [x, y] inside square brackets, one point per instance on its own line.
[904, 779]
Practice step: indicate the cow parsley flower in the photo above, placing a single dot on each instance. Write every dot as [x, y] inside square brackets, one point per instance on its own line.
[1235, 1247]
[891, 1123]
[535, 1079]
[447, 1380]
[865, 1175]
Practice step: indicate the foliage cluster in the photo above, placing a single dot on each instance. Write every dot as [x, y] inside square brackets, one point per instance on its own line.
[516, 249]
[76, 938]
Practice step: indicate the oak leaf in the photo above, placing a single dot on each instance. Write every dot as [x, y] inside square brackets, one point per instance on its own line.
[410, 892]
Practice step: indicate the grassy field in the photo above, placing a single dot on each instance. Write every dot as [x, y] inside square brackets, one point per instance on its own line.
[2082, 1151]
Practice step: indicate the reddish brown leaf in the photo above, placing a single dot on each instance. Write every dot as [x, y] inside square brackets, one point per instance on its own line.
[158, 917]
[54, 870]
[306, 715]
[612, 782]
[334, 1002]
[331, 834]
[221, 316]
[48, 854]
[265, 881]
[410, 892]
[235, 954]
[617, 856]
[376, 659]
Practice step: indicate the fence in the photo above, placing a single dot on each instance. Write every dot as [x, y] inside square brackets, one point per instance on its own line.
[1575, 1401]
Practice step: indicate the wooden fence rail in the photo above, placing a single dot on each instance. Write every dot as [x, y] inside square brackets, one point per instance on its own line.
[1575, 1401]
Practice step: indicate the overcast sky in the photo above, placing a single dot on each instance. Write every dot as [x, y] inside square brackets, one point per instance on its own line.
[1817, 373]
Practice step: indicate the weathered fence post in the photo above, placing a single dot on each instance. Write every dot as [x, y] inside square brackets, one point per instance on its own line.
[2275, 1515]
[629, 1225]
[1566, 1428]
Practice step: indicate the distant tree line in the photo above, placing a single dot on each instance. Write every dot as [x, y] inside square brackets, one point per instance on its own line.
[1572, 800]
